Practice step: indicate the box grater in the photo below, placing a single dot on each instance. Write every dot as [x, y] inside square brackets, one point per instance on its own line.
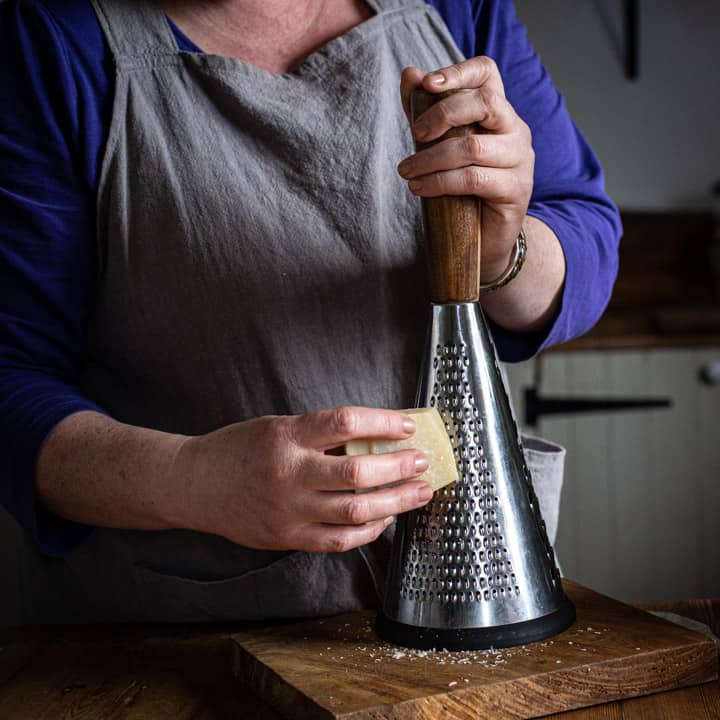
[474, 568]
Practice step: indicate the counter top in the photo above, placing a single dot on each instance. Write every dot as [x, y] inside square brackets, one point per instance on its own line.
[170, 672]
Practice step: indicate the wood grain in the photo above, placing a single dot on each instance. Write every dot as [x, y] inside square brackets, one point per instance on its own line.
[125, 673]
[452, 227]
[336, 669]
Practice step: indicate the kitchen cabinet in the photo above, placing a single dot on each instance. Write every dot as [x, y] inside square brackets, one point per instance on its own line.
[640, 509]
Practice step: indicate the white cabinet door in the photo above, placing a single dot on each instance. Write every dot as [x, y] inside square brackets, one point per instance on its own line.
[640, 513]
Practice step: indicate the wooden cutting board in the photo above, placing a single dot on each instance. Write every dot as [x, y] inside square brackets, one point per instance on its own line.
[337, 668]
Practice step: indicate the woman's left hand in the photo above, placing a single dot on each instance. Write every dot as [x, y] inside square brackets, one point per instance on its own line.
[497, 165]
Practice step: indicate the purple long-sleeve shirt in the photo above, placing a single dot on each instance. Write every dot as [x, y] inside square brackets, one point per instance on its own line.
[56, 85]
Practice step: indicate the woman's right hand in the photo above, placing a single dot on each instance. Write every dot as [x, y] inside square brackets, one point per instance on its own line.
[269, 483]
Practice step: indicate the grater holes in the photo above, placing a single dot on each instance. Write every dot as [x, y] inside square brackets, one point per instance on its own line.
[458, 532]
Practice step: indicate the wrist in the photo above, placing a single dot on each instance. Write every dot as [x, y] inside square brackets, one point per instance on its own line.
[530, 302]
[174, 493]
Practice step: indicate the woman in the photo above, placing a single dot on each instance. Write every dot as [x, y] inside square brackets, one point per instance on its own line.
[214, 278]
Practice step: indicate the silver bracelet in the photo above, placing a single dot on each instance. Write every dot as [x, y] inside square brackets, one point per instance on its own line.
[518, 260]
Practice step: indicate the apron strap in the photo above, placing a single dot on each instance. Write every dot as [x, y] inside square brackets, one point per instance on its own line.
[135, 29]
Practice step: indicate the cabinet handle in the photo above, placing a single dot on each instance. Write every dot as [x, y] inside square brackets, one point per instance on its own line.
[537, 405]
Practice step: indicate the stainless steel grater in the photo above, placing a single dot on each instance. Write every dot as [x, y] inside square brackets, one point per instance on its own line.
[473, 569]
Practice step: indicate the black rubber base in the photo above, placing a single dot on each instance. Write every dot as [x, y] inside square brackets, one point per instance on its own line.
[484, 638]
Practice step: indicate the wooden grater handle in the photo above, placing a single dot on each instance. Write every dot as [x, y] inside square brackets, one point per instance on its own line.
[452, 226]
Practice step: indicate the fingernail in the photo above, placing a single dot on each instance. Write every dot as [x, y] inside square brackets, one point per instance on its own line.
[420, 129]
[388, 521]
[409, 425]
[404, 167]
[421, 463]
[415, 185]
[437, 79]
[425, 493]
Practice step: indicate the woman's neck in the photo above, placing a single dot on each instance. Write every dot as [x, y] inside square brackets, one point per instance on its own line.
[276, 35]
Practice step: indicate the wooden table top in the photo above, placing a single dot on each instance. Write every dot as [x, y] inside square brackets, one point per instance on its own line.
[163, 672]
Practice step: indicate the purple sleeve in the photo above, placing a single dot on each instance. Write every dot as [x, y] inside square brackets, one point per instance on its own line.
[569, 194]
[46, 259]
[56, 96]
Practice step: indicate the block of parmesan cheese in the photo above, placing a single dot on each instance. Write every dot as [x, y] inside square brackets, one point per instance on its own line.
[430, 438]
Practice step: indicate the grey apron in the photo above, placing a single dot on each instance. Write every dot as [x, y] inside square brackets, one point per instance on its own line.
[258, 254]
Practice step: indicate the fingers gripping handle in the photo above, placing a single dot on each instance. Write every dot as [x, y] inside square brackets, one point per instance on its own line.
[452, 227]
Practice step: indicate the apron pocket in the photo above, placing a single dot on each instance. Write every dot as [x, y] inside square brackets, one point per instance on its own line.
[546, 462]
[174, 598]
[298, 585]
